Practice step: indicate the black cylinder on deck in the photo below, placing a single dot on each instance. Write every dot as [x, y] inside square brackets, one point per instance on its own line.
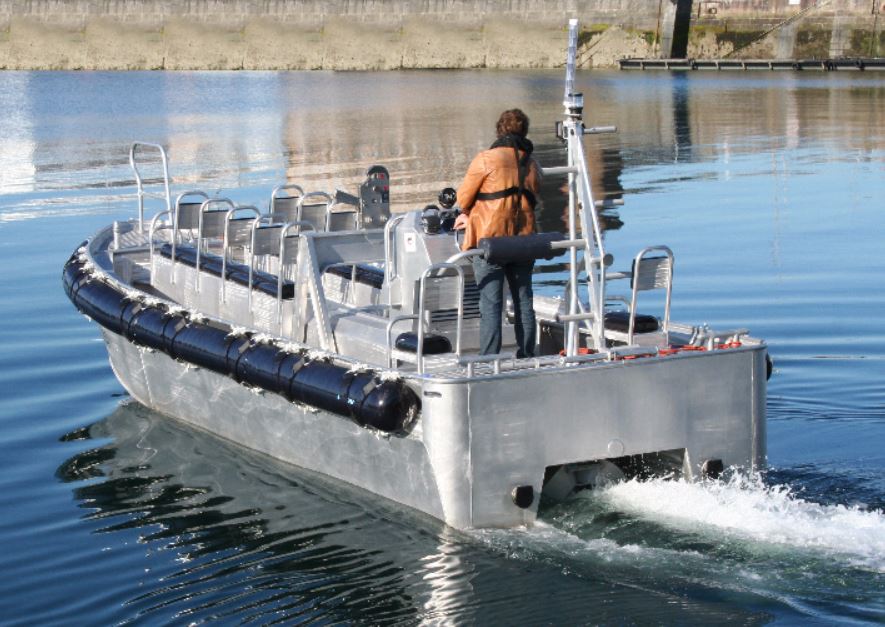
[519, 248]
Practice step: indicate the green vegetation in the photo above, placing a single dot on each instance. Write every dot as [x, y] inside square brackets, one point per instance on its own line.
[865, 43]
[812, 44]
[589, 32]
[738, 39]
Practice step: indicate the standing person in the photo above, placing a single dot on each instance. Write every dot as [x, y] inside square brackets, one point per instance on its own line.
[497, 198]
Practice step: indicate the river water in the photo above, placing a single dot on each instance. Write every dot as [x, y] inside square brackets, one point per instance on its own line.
[770, 188]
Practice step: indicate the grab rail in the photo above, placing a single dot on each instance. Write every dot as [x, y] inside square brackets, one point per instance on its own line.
[279, 188]
[421, 295]
[151, 231]
[176, 215]
[203, 208]
[139, 181]
[323, 196]
[226, 243]
[390, 255]
[419, 351]
[255, 226]
[422, 288]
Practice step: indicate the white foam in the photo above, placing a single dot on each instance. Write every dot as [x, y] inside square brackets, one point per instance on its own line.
[746, 509]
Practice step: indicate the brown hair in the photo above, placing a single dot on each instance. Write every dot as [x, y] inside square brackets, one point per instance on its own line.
[513, 121]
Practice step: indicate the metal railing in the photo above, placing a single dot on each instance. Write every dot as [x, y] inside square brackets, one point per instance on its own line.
[390, 271]
[140, 182]
[422, 331]
[204, 208]
[225, 247]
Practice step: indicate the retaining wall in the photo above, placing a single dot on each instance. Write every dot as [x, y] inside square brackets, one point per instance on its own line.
[388, 34]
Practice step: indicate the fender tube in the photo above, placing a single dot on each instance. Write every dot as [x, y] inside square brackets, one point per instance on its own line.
[154, 327]
[262, 365]
[205, 346]
[389, 406]
[102, 303]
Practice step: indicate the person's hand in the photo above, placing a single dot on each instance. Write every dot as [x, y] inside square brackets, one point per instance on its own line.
[461, 222]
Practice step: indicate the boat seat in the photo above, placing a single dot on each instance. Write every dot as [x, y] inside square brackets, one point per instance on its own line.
[365, 274]
[235, 271]
[620, 321]
[652, 270]
[433, 344]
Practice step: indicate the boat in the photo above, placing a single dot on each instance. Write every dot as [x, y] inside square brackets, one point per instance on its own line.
[327, 332]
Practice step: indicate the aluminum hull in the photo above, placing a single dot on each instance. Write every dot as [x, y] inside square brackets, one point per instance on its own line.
[478, 439]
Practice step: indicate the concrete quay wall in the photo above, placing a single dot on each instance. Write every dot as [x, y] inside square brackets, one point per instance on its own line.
[393, 34]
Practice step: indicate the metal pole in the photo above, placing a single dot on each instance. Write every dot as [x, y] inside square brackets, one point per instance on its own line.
[571, 343]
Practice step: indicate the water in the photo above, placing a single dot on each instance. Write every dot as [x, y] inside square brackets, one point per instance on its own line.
[769, 188]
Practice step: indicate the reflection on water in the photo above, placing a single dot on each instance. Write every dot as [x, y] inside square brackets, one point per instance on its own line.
[244, 539]
[245, 129]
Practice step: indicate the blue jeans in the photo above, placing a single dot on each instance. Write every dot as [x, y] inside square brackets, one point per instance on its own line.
[490, 280]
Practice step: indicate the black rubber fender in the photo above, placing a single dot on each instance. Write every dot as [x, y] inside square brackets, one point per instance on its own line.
[389, 406]
[71, 271]
[102, 303]
[205, 346]
[261, 365]
[319, 384]
[154, 327]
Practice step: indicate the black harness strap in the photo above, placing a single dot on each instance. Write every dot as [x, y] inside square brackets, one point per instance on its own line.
[510, 191]
[522, 166]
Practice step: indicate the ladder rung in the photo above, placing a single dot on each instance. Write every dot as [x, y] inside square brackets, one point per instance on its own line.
[568, 243]
[612, 276]
[598, 130]
[575, 317]
[564, 169]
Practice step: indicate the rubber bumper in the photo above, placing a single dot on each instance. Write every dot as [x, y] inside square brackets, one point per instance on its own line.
[387, 405]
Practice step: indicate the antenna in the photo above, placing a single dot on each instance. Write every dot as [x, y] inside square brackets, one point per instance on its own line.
[573, 103]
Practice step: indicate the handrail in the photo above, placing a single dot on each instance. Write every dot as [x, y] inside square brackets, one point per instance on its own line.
[390, 325]
[175, 217]
[327, 200]
[256, 224]
[153, 229]
[390, 255]
[278, 188]
[226, 243]
[203, 207]
[139, 182]
[465, 254]
[636, 262]
[421, 294]
[422, 284]
[495, 359]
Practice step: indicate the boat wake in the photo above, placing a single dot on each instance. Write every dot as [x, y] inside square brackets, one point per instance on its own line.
[739, 536]
[746, 509]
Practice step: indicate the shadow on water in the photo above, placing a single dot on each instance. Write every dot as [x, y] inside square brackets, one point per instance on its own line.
[240, 537]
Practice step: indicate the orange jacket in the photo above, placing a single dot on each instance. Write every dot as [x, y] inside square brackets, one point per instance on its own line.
[495, 170]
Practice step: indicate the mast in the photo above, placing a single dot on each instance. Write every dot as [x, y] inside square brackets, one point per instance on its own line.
[582, 213]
